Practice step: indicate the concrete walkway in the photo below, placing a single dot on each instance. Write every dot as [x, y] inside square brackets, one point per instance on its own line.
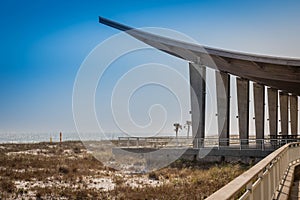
[295, 190]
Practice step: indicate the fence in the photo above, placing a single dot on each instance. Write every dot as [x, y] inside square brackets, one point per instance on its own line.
[214, 142]
[264, 180]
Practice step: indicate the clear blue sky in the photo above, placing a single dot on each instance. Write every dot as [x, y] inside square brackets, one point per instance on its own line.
[43, 44]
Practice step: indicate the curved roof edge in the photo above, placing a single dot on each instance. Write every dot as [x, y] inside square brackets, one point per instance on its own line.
[281, 73]
[214, 51]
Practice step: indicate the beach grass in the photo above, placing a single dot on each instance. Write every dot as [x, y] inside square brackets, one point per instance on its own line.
[69, 171]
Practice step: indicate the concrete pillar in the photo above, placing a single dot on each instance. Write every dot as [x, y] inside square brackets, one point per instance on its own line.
[243, 109]
[198, 90]
[259, 111]
[223, 106]
[294, 114]
[273, 111]
[284, 115]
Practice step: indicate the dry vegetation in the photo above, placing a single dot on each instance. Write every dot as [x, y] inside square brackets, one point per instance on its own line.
[69, 171]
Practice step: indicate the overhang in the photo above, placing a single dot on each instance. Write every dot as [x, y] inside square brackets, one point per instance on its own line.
[276, 72]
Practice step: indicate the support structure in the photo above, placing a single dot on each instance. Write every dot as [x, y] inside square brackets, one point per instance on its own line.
[243, 109]
[273, 111]
[198, 91]
[294, 114]
[284, 115]
[223, 106]
[259, 111]
[274, 72]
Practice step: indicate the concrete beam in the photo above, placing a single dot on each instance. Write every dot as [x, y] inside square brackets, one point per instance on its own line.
[243, 108]
[198, 91]
[284, 115]
[273, 111]
[223, 106]
[281, 73]
[294, 114]
[259, 110]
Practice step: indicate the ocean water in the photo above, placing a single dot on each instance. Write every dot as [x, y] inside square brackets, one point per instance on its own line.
[28, 137]
[45, 137]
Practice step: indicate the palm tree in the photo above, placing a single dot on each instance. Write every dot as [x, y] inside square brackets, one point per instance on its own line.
[177, 127]
[188, 125]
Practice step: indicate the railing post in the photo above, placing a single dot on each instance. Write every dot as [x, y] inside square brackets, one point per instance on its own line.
[260, 176]
[274, 177]
[278, 171]
[241, 143]
[269, 185]
[249, 188]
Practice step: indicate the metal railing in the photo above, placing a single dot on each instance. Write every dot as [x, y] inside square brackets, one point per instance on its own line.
[153, 142]
[232, 143]
[264, 180]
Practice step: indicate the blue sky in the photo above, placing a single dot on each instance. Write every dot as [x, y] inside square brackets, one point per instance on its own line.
[45, 42]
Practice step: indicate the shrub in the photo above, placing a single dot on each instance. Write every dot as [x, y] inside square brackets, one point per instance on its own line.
[153, 176]
[38, 196]
[7, 185]
[81, 195]
[118, 180]
[63, 169]
[76, 150]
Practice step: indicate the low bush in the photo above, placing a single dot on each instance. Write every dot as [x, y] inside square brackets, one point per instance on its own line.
[7, 185]
[63, 169]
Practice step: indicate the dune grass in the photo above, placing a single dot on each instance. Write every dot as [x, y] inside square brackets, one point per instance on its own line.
[68, 171]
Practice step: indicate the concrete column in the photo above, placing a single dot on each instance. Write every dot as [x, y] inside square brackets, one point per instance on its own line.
[273, 111]
[259, 111]
[223, 106]
[284, 115]
[243, 109]
[198, 90]
[294, 114]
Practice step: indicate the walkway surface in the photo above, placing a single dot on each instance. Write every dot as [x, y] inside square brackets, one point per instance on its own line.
[295, 190]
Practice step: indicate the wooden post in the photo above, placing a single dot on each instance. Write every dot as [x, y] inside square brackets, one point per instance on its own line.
[60, 137]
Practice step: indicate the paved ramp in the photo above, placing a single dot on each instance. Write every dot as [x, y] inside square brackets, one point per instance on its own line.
[295, 190]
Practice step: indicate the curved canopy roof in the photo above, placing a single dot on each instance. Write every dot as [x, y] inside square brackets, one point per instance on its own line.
[277, 72]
